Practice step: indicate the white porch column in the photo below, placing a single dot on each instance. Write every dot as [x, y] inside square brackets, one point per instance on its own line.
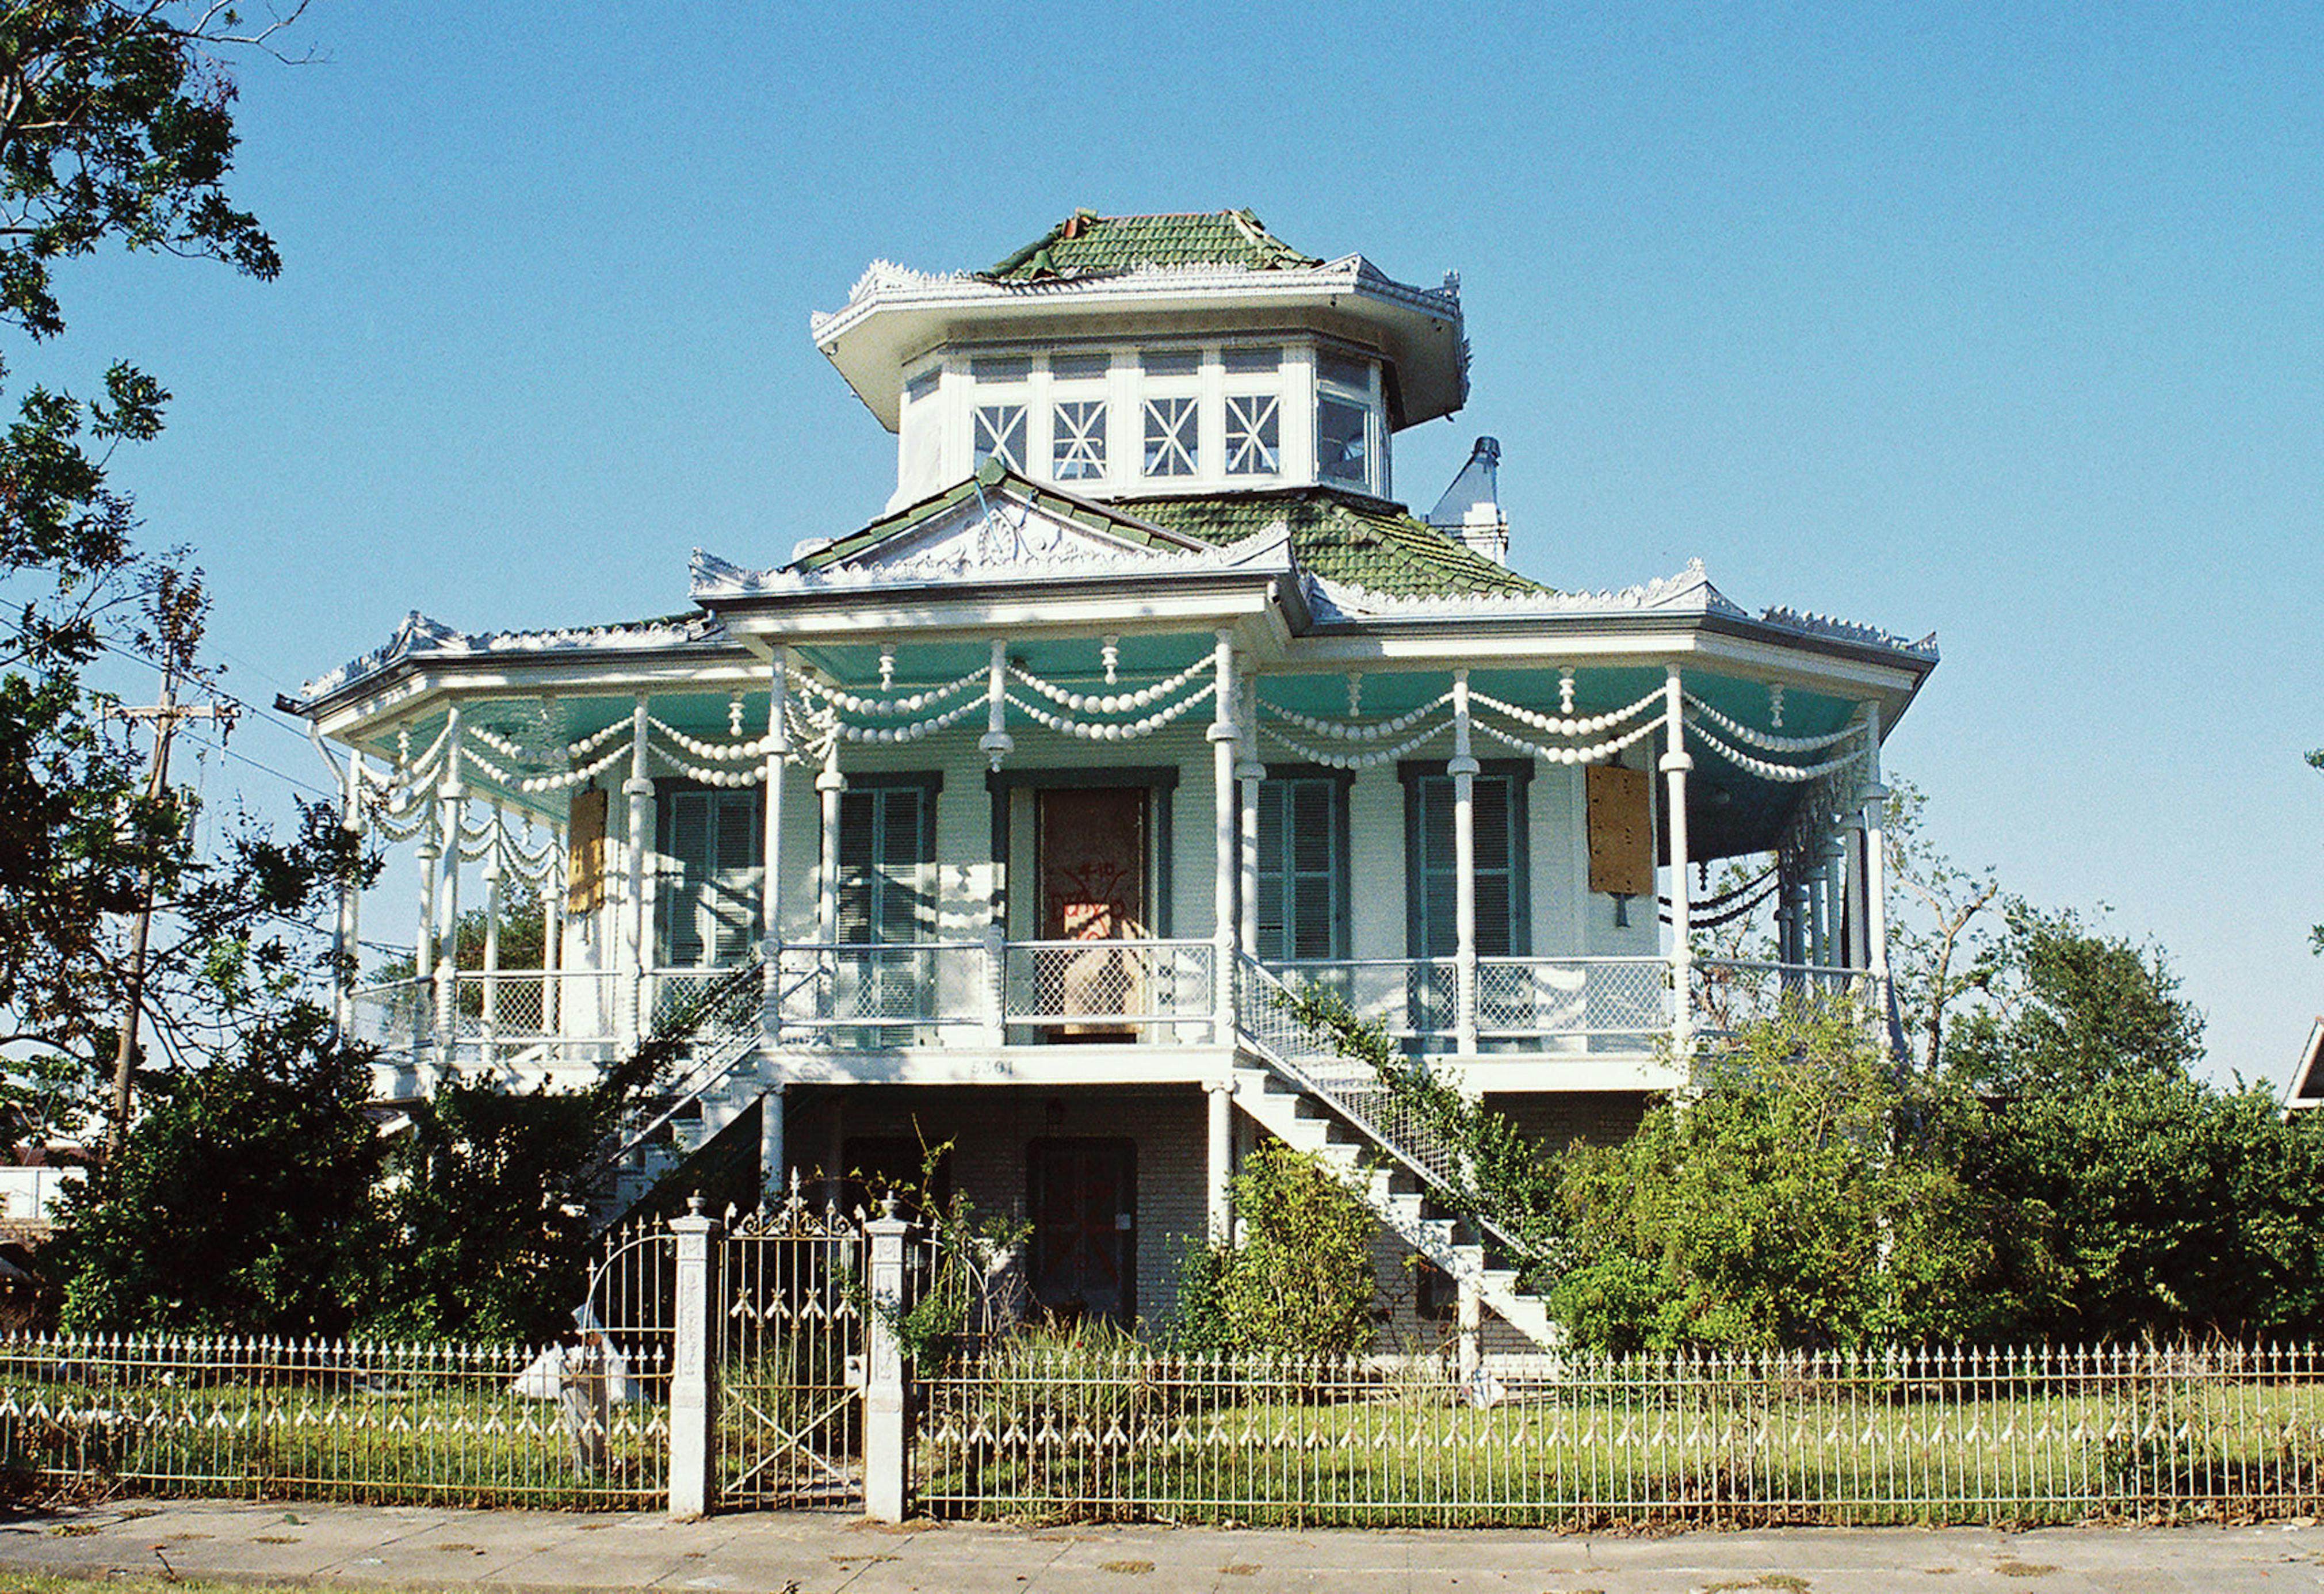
[553, 888]
[832, 785]
[347, 974]
[770, 854]
[771, 1107]
[1676, 766]
[493, 862]
[1827, 874]
[1249, 772]
[1222, 736]
[451, 807]
[636, 934]
[1463, 766]
[1218, 1093]
[1874, 799]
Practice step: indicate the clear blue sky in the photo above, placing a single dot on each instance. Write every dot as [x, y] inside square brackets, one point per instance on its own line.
[2000, 323]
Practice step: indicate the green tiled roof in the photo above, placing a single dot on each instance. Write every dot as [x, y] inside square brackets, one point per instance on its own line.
[1087, 244]
[1122, 524]
[1344, 537]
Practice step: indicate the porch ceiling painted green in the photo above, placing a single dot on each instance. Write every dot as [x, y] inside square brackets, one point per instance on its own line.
[1087, 245]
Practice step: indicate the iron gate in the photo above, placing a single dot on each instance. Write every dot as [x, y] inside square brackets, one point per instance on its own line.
[788, 1347]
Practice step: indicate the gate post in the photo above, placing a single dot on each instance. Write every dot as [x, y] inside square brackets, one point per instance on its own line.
[694, 1373]
[885, 1459]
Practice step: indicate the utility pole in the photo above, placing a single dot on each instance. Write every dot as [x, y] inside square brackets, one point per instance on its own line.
[165, 715]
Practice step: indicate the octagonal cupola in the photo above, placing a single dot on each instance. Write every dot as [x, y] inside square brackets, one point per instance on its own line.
[1147, 355]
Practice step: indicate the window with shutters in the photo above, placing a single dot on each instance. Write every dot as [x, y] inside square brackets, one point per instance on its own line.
[1433, 877]
[1302, 867]
[887, 861]
[707, 888]
[887, 897]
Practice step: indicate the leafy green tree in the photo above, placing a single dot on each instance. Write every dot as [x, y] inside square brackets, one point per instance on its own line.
[116, 127]
[2316, 934]
[2178, 1207]
[1301, 1284]
[1802, 1196]
[2070, 1008]
[245, 1199]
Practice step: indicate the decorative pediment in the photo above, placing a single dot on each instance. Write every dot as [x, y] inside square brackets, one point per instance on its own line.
[996, 530]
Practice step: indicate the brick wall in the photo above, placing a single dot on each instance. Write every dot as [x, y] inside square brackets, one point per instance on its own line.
[991, 1126]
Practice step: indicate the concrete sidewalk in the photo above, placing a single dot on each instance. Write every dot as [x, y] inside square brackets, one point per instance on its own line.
[814, 1554]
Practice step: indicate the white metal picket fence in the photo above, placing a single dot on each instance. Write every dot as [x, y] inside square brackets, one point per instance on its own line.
[365, 1420]
[1050, 1429]
[755, 1363]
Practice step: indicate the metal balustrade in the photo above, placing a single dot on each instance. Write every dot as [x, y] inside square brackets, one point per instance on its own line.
[1161, 989]
[1597, 999]
[886, 997]
[1732, 993]
[879, 996]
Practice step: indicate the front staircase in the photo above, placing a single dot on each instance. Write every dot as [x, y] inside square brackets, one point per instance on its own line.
[1289, 1076]
[717, 1077]
[1297, 1085]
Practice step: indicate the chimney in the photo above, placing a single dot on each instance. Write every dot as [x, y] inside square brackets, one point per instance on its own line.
[1471, 509]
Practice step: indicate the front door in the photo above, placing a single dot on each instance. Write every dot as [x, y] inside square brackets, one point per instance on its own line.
[1083, 1195]
[1093, 874]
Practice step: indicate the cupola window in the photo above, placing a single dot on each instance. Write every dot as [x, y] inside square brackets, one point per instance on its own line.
[1343, 420]
[1001, 434]
[1254, 435]
[1078, 438]
[1170, 436]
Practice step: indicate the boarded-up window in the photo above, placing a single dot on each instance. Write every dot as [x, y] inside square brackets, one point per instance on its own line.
[584, 869]
[1622, 832]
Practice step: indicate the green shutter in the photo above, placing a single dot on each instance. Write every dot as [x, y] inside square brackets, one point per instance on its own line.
[886, 858]
[706, 902]
[1302, 869]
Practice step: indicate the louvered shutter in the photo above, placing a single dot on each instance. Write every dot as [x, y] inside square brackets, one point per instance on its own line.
[886, 853]
[1313, 868]
[730, 900]
[685, 869]
[1497, 824]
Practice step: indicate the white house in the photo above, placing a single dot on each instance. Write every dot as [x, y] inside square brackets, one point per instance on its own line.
[1142, 700]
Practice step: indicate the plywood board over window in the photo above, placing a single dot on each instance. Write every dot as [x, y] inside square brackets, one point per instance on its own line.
[1622, 832]
[585, 875]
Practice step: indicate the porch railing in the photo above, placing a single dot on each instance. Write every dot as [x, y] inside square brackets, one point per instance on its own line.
[889, 996]
[1163, 989]
[1731, 993]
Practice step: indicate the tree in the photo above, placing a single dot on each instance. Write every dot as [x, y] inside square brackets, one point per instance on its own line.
[2178, 1207]
[245, 1199]
[1941, 945]
[116, 125]
[1803, 1197]
[1301, 1283]
[2316, 934]
[2069, 1009]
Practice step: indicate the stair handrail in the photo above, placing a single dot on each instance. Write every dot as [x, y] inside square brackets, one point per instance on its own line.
[1272, 996]
[730, 1010]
